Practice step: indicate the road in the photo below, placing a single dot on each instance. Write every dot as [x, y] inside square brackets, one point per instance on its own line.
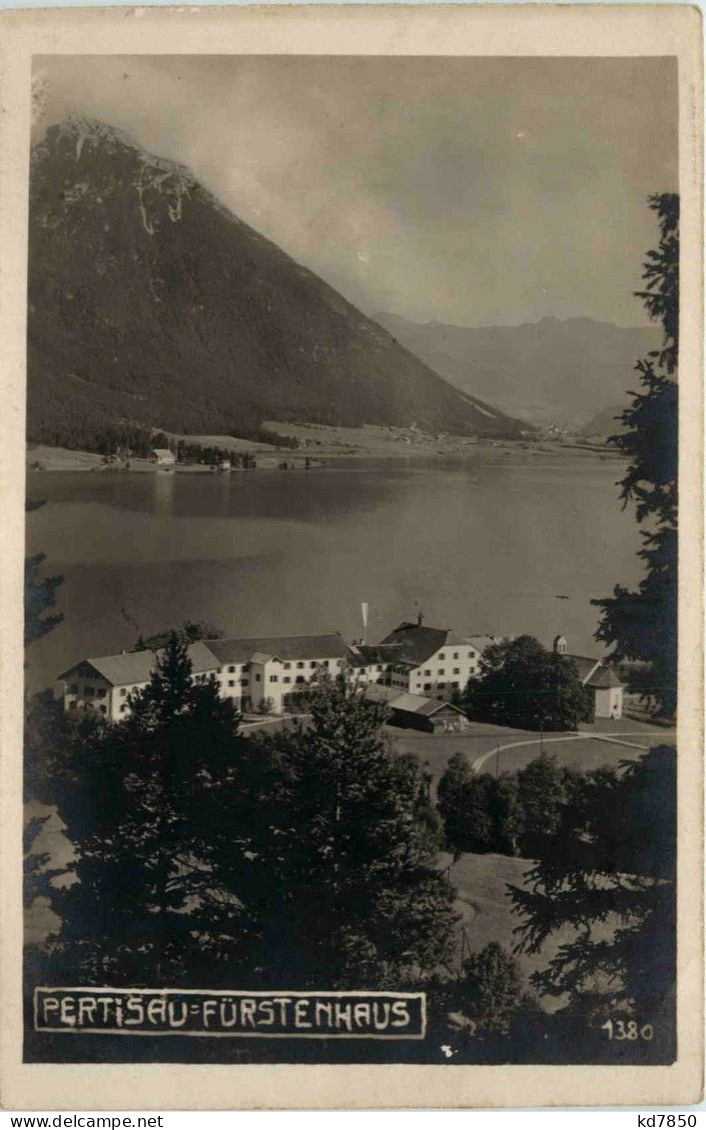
[581, 735]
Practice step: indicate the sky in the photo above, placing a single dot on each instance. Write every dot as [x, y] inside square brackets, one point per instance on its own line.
[472, 191]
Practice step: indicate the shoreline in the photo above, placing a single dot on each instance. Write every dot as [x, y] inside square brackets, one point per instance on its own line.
[42, 458]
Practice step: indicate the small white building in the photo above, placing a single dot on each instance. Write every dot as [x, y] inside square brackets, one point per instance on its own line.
[601, 680]
[162, 455]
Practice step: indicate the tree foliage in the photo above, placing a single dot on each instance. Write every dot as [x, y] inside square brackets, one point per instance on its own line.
[189, 632]
[490, 990]
[641, 625]
[135, 800]
[605, 879]
[304, 859]
[521, 684]
[480, 813]
[354, 894]
[541, 792]
[40, 594]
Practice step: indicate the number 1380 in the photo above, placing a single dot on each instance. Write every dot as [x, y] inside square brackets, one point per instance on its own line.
[627, 1030]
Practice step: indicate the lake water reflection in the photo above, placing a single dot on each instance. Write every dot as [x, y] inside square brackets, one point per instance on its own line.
[483, 546]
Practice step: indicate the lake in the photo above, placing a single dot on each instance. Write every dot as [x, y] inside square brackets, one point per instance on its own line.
[483, 544]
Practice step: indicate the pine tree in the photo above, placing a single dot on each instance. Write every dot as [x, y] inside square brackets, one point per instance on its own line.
[641, 625]
[605, 880]
[135, 800]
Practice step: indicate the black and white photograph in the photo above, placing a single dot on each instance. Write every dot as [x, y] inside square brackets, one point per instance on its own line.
[351, 561]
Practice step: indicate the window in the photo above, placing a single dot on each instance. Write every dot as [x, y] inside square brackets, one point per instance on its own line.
[441, 686]
[457, 671]
[286, 679]
[313, 663]
[324, 662]
[231, 682]
[89, 692]
[73, 689]
[258, 678]
[102, 709]
[341, 663]
[455, 655]
[244, 682]
[123, 708]
[301, 679]
[441, 671]
[441, 655]
[134, 690]
[300, 664]
[427, 686]
[427, 672]
[287, 666]
[274, 678]
[102, 692]
[123, 692]
[219, 670]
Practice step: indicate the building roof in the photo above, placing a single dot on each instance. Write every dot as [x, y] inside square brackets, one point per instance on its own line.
[283, 647]
[162, 451]
[363, 654]
[202, 657]
[603, 678]
[409, 703]
[595, 673]
[585, 665]
[137, 666]
[419, 704]
[415, 643]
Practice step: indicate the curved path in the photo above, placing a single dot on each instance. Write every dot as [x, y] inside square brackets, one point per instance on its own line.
[569, 736]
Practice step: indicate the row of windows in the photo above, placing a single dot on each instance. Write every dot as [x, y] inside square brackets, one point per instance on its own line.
[300, 665]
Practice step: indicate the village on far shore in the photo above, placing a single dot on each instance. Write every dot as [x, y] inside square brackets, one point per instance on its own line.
[417, 670]
[308, 443]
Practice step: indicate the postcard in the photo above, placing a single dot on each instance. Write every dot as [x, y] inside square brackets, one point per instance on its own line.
[352, 711]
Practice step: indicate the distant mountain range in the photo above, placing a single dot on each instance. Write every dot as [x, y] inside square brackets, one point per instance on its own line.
[552, 371]
[150, 302]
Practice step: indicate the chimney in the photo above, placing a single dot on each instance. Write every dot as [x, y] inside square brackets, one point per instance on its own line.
[364, 612]
[420, 618]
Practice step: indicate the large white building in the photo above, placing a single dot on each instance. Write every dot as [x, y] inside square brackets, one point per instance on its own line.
[268, 673]
[249, 671]
[421, 660]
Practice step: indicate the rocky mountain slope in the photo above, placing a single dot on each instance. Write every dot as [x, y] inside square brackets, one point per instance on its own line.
[150, 302]
[551, 371]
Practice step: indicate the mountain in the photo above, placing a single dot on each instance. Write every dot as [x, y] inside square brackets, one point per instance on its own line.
[150, 302]
[604, 423]
[552, 371]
